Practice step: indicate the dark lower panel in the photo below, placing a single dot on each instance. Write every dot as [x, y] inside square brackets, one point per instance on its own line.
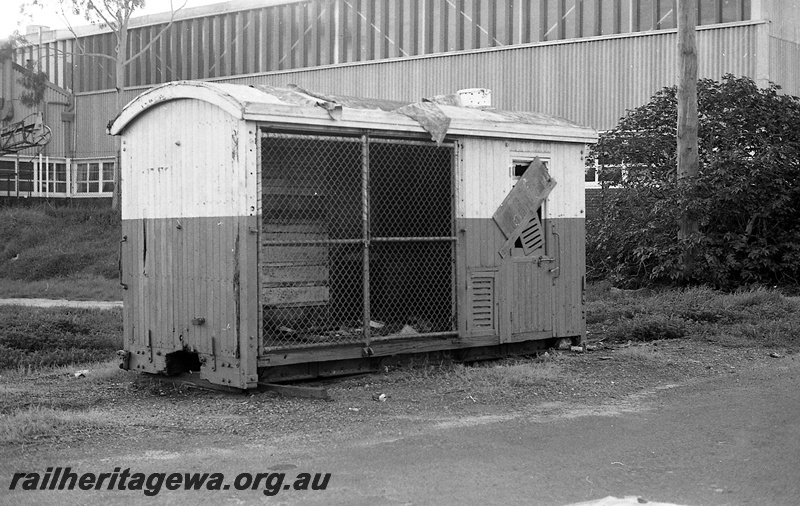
[388, 348]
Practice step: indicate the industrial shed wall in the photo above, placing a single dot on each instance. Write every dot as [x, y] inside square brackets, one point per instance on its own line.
[589, 81]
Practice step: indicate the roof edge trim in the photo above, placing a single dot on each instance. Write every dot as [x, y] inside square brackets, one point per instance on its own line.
[176, 90]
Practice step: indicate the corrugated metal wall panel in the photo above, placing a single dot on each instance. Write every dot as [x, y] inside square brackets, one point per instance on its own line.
[591, 82]
[54, 102]
[784, 65]
[302, 34]
[93, 113]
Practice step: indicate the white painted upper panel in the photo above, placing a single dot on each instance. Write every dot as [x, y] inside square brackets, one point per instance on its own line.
[185, 158]
[488, 177]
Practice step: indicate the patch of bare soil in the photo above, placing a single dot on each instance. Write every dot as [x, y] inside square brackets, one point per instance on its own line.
[139, 411]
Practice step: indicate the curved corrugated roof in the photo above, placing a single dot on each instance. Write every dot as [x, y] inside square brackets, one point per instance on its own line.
[296, 106]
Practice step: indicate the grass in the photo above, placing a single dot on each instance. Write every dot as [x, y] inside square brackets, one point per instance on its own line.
[40, 349]
[41, 423]
[507, 378]
[59, 252]
[77, 287]
[46, 337]
[640, 352]
[755, 316]
[46, 404]
[486, 382]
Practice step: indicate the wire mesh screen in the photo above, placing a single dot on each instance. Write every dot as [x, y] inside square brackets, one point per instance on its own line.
[357, 239]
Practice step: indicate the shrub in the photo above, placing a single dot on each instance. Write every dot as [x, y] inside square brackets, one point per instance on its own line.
[746, 197]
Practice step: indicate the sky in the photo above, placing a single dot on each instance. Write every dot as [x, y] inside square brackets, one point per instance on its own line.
[13, 20]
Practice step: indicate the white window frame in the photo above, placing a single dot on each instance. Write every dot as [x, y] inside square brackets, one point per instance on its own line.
[82, 187]
[46, 181]
[597, 183]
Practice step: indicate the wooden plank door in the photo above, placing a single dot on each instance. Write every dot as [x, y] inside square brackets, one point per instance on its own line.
[529, 286]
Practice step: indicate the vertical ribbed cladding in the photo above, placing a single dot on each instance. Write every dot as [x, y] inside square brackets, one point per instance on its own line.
[588, 81]
[185, 212]
[538, 296]
[53, 104]
[783, 67]
[591, 82]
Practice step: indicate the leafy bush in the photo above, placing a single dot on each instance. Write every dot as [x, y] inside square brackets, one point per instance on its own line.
[746, 197]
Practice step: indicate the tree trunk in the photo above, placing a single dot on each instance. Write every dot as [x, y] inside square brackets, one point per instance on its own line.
[120, 75]
[687, 116]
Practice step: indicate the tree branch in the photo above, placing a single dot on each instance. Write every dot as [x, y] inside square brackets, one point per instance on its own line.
[158, 35]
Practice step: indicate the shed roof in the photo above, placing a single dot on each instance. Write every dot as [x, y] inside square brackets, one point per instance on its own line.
[296, 106]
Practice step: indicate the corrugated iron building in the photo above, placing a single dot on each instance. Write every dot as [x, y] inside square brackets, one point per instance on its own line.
[585, 60]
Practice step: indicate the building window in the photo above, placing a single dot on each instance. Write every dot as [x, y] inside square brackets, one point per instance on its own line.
[520, 165]
[26, 172]
[53, 177]
[608, 175]
[94, 177]
[8, 176]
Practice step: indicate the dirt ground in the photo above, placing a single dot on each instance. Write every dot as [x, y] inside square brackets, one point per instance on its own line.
[112, 412]
[141, 411]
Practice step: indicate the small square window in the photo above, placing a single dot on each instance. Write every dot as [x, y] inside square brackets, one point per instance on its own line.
[519, 166]
[519, 169]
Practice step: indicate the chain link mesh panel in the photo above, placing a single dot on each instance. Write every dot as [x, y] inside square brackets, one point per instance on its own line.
[329, 204]
[411, 248]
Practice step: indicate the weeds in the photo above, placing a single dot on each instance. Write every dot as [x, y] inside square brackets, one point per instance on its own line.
[45, 242]
[77, 287]
[486, 382]
[41, 423]
[38, 337]
[641, 352]
[757, 316]
[645, 327]
[495, 379]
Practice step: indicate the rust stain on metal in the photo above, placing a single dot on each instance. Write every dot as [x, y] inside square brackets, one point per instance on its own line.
[235, 146]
